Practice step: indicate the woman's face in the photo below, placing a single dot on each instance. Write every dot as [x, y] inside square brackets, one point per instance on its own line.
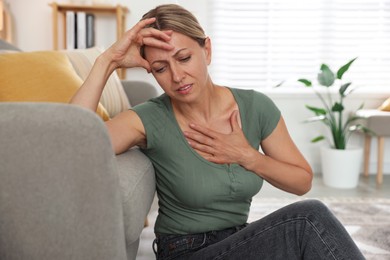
[181, 72]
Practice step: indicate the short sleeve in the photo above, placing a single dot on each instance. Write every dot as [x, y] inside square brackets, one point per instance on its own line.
[268, 114]
[153, 116]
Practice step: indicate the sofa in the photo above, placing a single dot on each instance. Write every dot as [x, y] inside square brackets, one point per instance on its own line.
[63, 192]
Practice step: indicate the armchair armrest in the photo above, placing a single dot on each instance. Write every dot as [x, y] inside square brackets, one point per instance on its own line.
[59, 196]
[139, 91]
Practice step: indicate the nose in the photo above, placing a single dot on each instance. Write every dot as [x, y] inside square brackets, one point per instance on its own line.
[177, 73]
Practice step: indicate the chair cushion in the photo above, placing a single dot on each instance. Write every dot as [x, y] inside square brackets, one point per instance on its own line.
[385, 105]
[113, 98]
[45, 76]
[376, 120]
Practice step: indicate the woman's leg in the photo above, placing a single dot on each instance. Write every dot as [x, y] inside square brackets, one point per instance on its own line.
[302, 230]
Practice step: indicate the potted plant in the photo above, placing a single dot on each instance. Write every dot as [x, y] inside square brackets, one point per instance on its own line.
[340, 166]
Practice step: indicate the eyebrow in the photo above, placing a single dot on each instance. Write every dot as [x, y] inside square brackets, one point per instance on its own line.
[174, 55]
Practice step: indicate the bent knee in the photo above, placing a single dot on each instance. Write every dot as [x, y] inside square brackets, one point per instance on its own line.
[314, 207]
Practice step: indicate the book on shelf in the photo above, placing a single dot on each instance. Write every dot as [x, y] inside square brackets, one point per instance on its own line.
[70, 21]
[90, 30]
[80, 30]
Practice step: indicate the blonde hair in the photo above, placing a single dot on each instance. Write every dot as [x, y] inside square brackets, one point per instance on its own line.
[176, 18]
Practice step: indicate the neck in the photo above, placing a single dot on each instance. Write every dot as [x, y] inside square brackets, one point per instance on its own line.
[202, 110]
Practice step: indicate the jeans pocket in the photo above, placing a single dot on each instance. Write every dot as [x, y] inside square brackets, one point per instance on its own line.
[172, 246]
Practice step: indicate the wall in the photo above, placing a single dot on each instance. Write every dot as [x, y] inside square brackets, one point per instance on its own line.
[33, 31]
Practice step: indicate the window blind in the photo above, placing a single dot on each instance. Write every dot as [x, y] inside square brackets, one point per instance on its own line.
[260, 43]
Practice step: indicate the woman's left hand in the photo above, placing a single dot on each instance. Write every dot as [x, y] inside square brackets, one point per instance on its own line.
[218, 147]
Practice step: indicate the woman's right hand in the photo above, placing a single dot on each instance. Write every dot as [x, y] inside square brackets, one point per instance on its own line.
[125, 53]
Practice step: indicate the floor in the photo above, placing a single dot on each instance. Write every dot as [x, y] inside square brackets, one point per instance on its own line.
[367, 188]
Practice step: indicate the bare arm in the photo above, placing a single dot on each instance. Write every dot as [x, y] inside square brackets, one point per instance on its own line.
[282, 164]
[126, 129]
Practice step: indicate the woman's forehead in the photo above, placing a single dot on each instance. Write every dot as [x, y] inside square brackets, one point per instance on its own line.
[180, 42]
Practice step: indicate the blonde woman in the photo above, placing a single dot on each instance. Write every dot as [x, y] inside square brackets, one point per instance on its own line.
[203, 140]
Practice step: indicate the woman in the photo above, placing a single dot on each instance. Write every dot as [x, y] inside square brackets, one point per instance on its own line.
[204, 140]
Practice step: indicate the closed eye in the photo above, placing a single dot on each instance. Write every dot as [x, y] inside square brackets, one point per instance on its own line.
[185, 59]
[160, 70]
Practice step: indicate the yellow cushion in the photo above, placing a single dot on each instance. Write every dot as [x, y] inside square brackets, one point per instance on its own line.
[44, 76]
[385, 105]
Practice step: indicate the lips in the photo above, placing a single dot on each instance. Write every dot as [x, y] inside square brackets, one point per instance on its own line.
[184, 89]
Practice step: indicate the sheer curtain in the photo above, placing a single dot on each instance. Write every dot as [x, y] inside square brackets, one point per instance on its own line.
[260, 43]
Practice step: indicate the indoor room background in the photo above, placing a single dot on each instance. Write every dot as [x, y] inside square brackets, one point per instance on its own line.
[32, 27]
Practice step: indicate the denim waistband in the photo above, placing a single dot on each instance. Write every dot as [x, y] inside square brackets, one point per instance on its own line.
[178, 246]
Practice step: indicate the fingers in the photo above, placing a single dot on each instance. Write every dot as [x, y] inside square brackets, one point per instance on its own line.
[200, 138]
[141, 24]
[152, 32]
[141, 34]
[151, 36]
[153, 41]
[201, 147]
[204, 130]
[126, 51]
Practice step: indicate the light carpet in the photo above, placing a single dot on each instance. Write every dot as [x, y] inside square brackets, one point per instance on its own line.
[366, 220]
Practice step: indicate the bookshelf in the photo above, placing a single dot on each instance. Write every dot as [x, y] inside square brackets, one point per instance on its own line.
[59, 12]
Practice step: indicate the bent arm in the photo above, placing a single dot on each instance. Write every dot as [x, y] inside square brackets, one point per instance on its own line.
[282, 164]
[89, 94]
[125, 53]
[126, 129]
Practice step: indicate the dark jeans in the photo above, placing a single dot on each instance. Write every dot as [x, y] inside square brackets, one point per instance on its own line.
[302, 230]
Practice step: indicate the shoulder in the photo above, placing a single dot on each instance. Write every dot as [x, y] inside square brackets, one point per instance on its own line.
[261, 112]
[153, 109]
[254, 99]
[156, 116]
[152, 104]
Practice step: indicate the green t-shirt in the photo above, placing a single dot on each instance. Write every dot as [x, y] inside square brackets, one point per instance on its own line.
[194, 194]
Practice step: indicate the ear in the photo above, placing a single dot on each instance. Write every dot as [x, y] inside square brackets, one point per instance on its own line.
[207, 49]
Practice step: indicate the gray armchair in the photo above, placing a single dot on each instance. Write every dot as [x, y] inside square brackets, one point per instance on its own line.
[63, 193]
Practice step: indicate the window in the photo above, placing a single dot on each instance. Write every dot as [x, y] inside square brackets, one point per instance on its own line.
[260, 43]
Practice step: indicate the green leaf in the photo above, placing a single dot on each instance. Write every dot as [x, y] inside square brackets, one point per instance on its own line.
[344, 68]
[326, 76]
[317, 110]
[344, 88]
[337, 107]
[306, 82]
[317, 139]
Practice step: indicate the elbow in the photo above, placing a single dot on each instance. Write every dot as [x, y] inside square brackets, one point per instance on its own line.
[304, 190]
[305, 187]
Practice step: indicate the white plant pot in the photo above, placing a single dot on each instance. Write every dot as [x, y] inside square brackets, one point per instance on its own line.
[341, 168]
